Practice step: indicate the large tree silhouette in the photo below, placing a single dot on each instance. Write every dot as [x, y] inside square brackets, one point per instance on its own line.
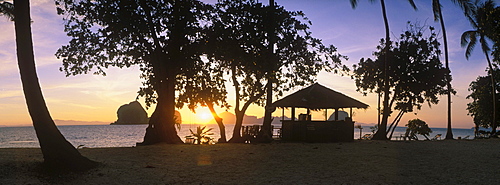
[57, 152]
[162, 37]
[471, 38]
[381, 133]
[481, 108]
[466, 6]
[415, 72]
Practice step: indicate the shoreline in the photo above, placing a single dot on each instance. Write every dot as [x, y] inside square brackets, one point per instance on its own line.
[214, 124]
[358, 162]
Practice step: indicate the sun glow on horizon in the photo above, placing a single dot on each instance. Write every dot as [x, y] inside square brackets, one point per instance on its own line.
[203, 116]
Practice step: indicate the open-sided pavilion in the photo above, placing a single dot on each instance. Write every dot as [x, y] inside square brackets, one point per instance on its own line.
[318, 97]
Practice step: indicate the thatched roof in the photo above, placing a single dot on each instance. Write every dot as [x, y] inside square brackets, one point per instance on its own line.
[317, 96]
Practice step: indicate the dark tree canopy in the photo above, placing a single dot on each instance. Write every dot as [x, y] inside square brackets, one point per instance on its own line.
[481, 108]
[165, 38]
[127, 32]
[491, 22]
[417, 126]
[415, 72]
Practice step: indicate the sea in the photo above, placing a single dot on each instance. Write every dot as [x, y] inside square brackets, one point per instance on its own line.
[103, 136]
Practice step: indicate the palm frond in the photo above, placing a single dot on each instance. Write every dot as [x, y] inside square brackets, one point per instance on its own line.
[467, 6]
[468, 40]
[413, 5]
[354, 3]
[436, 8]
[470, 47]
[7, 9]
[484, 45]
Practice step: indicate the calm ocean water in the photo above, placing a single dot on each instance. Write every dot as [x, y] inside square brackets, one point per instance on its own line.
[96, 136]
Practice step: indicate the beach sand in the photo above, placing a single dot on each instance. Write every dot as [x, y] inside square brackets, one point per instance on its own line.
[358, 162]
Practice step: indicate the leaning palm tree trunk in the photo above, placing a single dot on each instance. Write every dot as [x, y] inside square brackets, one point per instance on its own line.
[57, 151]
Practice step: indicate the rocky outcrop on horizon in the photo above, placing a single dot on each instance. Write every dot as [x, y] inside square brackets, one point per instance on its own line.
[130, 114]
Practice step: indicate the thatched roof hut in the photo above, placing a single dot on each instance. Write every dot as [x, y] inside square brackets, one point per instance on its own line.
[316, 97]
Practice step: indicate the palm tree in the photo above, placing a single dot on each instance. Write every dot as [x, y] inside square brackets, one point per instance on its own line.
[470, 38]
[57, 152]
[438, 16]
[381, 133]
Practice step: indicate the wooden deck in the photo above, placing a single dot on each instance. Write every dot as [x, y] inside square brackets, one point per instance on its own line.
[317, 131]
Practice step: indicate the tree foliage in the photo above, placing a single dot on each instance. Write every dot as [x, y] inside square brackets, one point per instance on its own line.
[239, 40]
[7, 10]
[127, 32]
[415, 72]
[481, 108]
[165, 38]
[417, 126]
[491, 23]
[386, 87]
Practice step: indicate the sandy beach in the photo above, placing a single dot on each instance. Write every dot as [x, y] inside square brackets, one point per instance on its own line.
[358, 162]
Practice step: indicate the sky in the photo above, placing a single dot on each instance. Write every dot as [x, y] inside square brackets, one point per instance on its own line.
[92, 99]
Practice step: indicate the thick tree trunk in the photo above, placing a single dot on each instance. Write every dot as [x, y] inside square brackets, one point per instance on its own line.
[237, 128]
[156, 126]
[162, 123]
[265, 135]
[381, 133]
[57, 152]
[171, 136]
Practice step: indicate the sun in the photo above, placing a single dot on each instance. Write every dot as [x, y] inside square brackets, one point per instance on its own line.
[204, 117]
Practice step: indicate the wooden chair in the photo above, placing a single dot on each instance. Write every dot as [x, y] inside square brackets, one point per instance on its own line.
[436, 137]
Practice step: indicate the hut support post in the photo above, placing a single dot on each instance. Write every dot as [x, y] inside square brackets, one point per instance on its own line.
[326, 114]
[308, 114]
[336, 114]
[293, 113]
[350, 112]
[282, 114]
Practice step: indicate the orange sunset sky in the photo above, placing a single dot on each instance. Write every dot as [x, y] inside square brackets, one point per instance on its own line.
[90, 99]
